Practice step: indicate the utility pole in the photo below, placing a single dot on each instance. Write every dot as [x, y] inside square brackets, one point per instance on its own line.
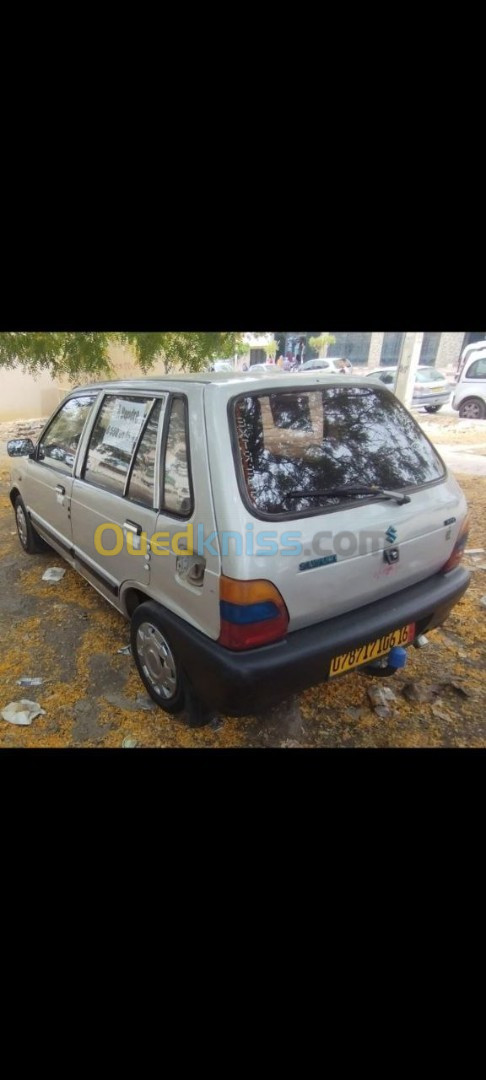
[407, 367]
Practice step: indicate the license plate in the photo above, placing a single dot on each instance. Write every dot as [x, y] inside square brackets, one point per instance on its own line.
[363, 654]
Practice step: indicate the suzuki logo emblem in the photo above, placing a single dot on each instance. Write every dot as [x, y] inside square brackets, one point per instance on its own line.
[391, 534]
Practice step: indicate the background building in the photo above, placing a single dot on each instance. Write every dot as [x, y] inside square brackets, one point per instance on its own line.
[372, 349]
[24, 396]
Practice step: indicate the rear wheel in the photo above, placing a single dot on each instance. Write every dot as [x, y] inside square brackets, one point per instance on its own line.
[157, 663]
[159, 666]
[472, 409]
[432, 408]
[30, 540]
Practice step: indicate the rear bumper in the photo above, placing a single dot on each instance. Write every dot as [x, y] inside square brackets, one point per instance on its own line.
[240, 683]
[432, 399]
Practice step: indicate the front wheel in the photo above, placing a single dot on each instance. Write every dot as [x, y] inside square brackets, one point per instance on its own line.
[30, 540]
[432, 408]
[157, 663]
[472, 409]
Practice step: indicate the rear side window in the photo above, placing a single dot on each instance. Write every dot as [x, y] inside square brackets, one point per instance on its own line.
[113, 440]
[141, 488]
[478, 369]
[60, 441]
[316, 440]
[177, 497]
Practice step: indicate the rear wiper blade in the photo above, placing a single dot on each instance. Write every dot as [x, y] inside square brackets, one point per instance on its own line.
[349, 491]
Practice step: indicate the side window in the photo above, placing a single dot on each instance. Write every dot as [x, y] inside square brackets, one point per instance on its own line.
[113, 440]
[478, 369]
[142, 480]
[60, 441]
[177, 485]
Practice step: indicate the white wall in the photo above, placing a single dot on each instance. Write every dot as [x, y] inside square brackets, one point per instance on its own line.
[23, 397]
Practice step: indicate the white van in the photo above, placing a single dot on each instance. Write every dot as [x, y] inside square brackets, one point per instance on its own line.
[262, 533]
[469, 398]
[474, 347]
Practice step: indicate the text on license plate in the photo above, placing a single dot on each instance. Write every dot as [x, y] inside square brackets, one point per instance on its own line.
[363, 654]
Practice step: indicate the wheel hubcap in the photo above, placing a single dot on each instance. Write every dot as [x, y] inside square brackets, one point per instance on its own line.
[472, 411]
[21, 525]
[157, 661]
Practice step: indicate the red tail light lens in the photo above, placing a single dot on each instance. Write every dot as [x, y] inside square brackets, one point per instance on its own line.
[252, 613]
[458, 549]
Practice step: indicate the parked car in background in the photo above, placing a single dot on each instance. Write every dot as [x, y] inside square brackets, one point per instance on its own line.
[270, 369]
[431, 390]
[344, 365]
[329, 364]
[221, 365]
[469, 398]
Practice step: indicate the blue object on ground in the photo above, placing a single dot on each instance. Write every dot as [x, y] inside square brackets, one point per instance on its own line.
[397, 657]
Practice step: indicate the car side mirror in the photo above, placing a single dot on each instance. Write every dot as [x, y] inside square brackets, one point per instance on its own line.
[20, 447]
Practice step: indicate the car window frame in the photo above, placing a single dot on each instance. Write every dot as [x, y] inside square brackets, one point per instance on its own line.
[475, 378]
[320, 511]
[136, 502]
[144, 395]
[49, 464]
[173, 395]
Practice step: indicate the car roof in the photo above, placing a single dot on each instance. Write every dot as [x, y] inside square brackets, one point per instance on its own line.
[480, 345]
[236, 381]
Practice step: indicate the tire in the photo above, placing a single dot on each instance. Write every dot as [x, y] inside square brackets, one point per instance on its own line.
[472, 409]
[157, 663]
[31, 542]
[432, 408]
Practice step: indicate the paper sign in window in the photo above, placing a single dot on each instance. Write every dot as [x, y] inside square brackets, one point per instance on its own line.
[125, 424]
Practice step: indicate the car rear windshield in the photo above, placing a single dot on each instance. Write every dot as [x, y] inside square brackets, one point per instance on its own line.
[310, 441]
[429, 375]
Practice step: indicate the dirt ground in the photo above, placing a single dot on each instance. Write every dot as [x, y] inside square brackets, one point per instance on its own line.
[69, 636]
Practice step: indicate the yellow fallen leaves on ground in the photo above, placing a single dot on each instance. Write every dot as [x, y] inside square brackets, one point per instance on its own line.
[68, 635]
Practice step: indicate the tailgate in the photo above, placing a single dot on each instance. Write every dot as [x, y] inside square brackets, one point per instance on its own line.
[344, 559]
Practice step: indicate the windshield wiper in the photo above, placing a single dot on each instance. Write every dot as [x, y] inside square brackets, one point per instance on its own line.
[349, 491]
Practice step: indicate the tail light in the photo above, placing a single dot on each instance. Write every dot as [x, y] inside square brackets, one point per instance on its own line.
[252, 613]
[458, 549]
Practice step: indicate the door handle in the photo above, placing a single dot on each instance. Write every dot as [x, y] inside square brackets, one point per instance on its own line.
[60, 489]
[132, 527]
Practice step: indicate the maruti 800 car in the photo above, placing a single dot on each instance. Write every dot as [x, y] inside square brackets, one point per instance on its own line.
[262, 533]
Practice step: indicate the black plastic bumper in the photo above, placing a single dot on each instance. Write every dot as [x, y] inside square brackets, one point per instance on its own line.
[242, 682]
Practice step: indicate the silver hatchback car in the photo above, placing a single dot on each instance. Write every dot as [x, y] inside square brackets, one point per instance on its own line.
[431, 390]
[262, 533]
